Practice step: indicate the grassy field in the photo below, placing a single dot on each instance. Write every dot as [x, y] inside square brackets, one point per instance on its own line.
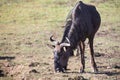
[25, 28]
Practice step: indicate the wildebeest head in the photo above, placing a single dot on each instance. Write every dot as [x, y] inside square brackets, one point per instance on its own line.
[60, 54]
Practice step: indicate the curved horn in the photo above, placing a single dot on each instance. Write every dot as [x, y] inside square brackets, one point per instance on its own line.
[67, 40]
[51, 38]
[65, 44]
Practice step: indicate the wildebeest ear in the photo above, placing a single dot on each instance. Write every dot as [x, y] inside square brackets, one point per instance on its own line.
[51, 46]
[51, 38]
[54, 41]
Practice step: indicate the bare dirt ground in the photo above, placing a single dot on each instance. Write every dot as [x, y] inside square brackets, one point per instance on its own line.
[24, 54]
[22, 58]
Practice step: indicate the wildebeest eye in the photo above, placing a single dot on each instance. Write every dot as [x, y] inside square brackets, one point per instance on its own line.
[57, 53]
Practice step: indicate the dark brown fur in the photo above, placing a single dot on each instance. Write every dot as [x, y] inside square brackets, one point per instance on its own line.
[83, 22]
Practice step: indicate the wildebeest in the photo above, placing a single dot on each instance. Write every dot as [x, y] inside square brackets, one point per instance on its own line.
[83, 22]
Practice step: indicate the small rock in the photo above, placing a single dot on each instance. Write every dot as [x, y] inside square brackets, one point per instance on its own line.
[98, 54]
[34, 64]
[10, 33]
[109, 67]
[1, 73]
[4, 38]
[116, 66]
[33, 71]
[46, 63]
[65, 75]
[70, 79]
[28, 43]
[79, 78]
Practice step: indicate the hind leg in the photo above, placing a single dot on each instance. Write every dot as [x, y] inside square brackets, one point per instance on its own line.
[94, 66]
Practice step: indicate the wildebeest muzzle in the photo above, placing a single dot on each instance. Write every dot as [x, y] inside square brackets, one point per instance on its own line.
[57, 66]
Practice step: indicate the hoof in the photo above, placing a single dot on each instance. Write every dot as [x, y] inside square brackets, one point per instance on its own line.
[65, 68]
[82, 71]
[95, 71]
[59, 70]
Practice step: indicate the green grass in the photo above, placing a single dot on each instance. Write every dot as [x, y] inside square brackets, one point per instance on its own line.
[110, 11]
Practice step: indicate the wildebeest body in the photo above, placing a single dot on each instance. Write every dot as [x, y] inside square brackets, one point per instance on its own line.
[82, 22]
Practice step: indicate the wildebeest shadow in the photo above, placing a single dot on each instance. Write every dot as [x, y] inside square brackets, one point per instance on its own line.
[112, 73]
[108, 73]
[75, 72]
[2, 73]
[7, 57]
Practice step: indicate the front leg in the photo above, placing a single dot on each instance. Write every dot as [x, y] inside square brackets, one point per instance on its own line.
[82, 49]
[78, 51]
